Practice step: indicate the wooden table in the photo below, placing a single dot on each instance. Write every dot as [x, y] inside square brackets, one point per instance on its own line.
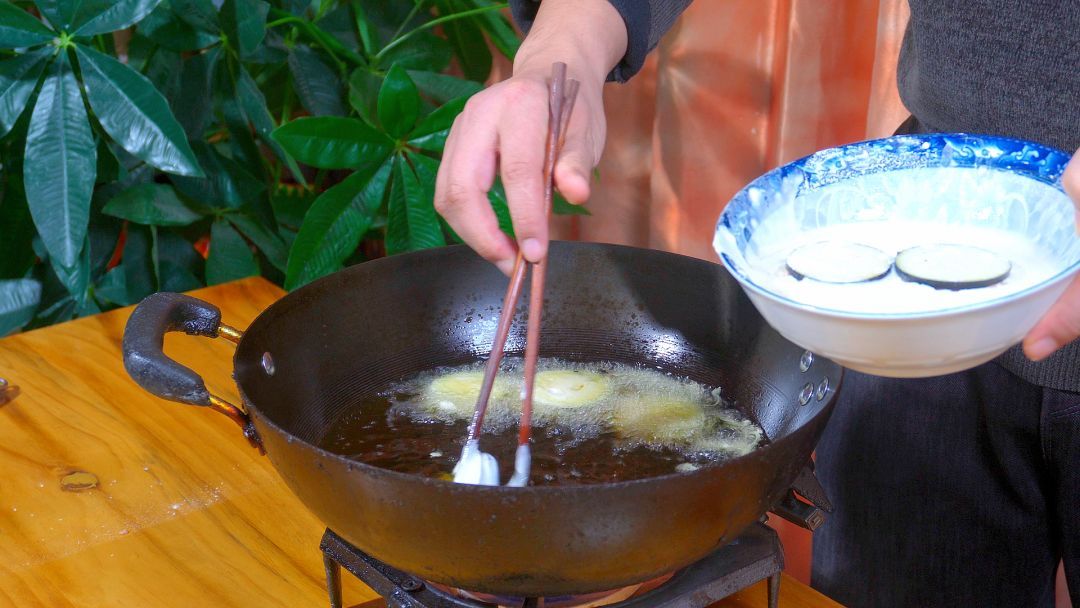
[185, 512]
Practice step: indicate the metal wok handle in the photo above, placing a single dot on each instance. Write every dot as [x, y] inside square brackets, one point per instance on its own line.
[152, 369]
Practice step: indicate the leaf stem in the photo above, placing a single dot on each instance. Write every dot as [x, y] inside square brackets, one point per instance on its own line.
[363, 28]
[326, 41]
[412, 13]
[430, 24]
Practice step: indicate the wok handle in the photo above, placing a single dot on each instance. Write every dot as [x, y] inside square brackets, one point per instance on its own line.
[154, 371]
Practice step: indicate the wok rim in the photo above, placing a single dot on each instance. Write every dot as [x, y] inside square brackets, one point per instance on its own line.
[392, 475]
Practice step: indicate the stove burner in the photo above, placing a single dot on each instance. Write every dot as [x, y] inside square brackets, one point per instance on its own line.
[754, 556]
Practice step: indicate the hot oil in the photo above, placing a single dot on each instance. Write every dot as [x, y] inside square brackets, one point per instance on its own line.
[593, 423]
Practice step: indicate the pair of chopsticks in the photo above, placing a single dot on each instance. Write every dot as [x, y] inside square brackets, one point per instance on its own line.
[562, 94]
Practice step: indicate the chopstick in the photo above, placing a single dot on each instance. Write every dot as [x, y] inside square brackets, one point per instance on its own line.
[561, 107]
[561, 103]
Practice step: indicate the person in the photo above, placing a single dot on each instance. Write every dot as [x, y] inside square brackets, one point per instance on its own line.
[955, 490]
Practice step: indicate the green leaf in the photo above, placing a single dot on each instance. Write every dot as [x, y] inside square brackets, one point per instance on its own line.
[18, 79]
[364, 93]
[497, 198]
[163, 69]
[199, 14]
[244, 22]
[432, 131]
[273, 50]
[169, 29]
[19, 28]
[468, 42]
[61, 13]
[118, 15]
[227, 183]
[180, 264]
[443, 87]
[140, 277]
[290, 204]
[500, 31]
[190, 103]
[264, 238]
[397, 214]
[112, 288]
[16, 229]
[19, 298]
[134, 114]
[335, 224]
[399, 102]
[424, 51]
[330, 142]
[76, 278]
[230, 258]
[102, 236]
[60, 163]
[151, 204]
[419, 189]
[561, 206]
[253, 104]
[317, 86]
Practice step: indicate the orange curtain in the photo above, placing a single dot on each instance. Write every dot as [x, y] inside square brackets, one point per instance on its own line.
[736, 88]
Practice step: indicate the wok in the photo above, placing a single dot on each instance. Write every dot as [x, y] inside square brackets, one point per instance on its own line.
[359, 329]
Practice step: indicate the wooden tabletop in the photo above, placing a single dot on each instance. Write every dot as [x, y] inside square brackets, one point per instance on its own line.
[185, 512]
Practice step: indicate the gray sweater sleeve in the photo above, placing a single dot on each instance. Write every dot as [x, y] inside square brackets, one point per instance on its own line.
[646, 22]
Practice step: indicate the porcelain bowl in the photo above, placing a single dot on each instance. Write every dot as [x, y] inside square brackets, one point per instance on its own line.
[948, 180]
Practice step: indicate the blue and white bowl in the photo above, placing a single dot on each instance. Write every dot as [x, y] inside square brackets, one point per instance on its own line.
[943, 179]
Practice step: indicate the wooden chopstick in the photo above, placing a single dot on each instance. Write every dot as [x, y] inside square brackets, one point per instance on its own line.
[561, 102]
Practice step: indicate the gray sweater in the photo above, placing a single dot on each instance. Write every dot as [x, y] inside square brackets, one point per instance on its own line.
[1002, 67]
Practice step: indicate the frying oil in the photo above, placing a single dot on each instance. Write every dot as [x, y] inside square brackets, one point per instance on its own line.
[592, 423]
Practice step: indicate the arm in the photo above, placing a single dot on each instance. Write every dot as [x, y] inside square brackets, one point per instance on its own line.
[1061, 324]
[503, 128]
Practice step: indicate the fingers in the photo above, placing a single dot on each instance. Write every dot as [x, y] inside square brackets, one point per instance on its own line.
[576, 161]
[1059, 326]
[465, 176]
[522, 142]
[507, 125]
[1070, 180]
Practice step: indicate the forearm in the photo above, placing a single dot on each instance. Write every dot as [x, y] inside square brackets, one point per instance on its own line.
[588, 35]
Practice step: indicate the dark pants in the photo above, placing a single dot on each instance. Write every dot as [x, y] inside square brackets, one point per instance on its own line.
[961, 490]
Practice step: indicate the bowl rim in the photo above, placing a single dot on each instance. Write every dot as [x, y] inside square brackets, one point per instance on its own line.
[1048, 154]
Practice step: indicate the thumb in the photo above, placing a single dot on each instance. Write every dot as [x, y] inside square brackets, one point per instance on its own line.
[576, 162]
[1070, 180]
[1059, 326]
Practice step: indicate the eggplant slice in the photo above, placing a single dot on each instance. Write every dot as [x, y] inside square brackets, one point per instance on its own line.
[952, 266]
[839, 262]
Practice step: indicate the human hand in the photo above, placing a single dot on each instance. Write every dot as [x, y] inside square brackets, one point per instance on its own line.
[1061, 324]
[504, 129]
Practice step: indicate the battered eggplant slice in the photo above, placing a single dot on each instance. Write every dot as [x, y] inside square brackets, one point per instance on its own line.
[838, 262]
[952, 266]
[568, 388]
[457, 391]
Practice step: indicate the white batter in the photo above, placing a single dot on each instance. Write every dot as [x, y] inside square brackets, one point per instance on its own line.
[1031, 264]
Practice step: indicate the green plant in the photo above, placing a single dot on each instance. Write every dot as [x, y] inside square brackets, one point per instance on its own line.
[165, 144]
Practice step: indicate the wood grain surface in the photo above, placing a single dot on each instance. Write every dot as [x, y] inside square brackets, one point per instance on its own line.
[185, 513]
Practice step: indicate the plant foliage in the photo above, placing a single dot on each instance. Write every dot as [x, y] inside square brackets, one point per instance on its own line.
[168, 144]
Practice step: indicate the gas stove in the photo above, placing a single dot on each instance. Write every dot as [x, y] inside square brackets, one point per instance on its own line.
[754, 556]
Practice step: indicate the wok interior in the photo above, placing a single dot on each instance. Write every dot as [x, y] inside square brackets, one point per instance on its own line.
[359, 330]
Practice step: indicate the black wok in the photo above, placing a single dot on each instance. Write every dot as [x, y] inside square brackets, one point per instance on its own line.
[355, 331]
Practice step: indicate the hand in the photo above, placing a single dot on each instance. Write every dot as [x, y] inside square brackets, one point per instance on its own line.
[504, 128]
[1061, 324]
